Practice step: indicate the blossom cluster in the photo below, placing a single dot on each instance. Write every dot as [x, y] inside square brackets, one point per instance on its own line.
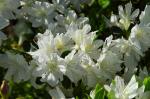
[68, 47]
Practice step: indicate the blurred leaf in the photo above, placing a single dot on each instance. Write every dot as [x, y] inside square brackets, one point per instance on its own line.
[103, 3]
[81, 90]
[87, 96]
[91, 3]
[77, 97]
[111, 95]
[147, 83]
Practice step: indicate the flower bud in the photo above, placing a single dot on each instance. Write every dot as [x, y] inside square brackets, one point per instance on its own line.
[4, 88]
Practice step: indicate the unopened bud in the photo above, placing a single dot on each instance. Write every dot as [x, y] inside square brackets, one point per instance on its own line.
[4, 88]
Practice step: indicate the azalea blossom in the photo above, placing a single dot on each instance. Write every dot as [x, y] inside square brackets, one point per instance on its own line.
[140, 36]
[40, 13]
[74, 70]
[45, 44]
[18, 68]
[63, 22]
[140, 33]
[126, 16]
[129, 53]
[93, 74]
[8, 7]
[78, 35]
[109, 64]
[51, 70]
[63, 42]
[122, 91]
[144, 17]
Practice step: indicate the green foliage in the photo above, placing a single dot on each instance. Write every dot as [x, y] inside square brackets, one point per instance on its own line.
[147, 83]
[81, 91]
[111, 95]
[26, 91]
[103, 3]
[99, 92]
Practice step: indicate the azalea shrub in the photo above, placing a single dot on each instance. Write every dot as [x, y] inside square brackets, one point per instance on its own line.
[74, 49]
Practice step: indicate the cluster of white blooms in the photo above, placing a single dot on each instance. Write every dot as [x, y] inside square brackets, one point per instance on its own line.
[137, 43]
[69, 48]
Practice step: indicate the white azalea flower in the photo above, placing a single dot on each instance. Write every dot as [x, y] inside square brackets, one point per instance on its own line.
[84, 40]
[113, 20]
[60, 5]
[93, 74]
[140, 33]
[122, 91]
[40, 13]
[109, 63]
[91, 46]
[140, 36]
[129, 53]
[18, 68]
[7, 7]
[74, 71]
[126, 16]
[51, 67]
[45, 44]
[51, 70]
[70, 17]
[63, 42]
[119, 47]
[78, 35]
[107, 43]
[144, 17]
[131, 59]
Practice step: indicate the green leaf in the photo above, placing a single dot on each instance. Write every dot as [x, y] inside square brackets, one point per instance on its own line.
[99, 92]
[147, 83]
[111, 95]
[77, 97]
[87, 96]
[91, 2]
[103, 3]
